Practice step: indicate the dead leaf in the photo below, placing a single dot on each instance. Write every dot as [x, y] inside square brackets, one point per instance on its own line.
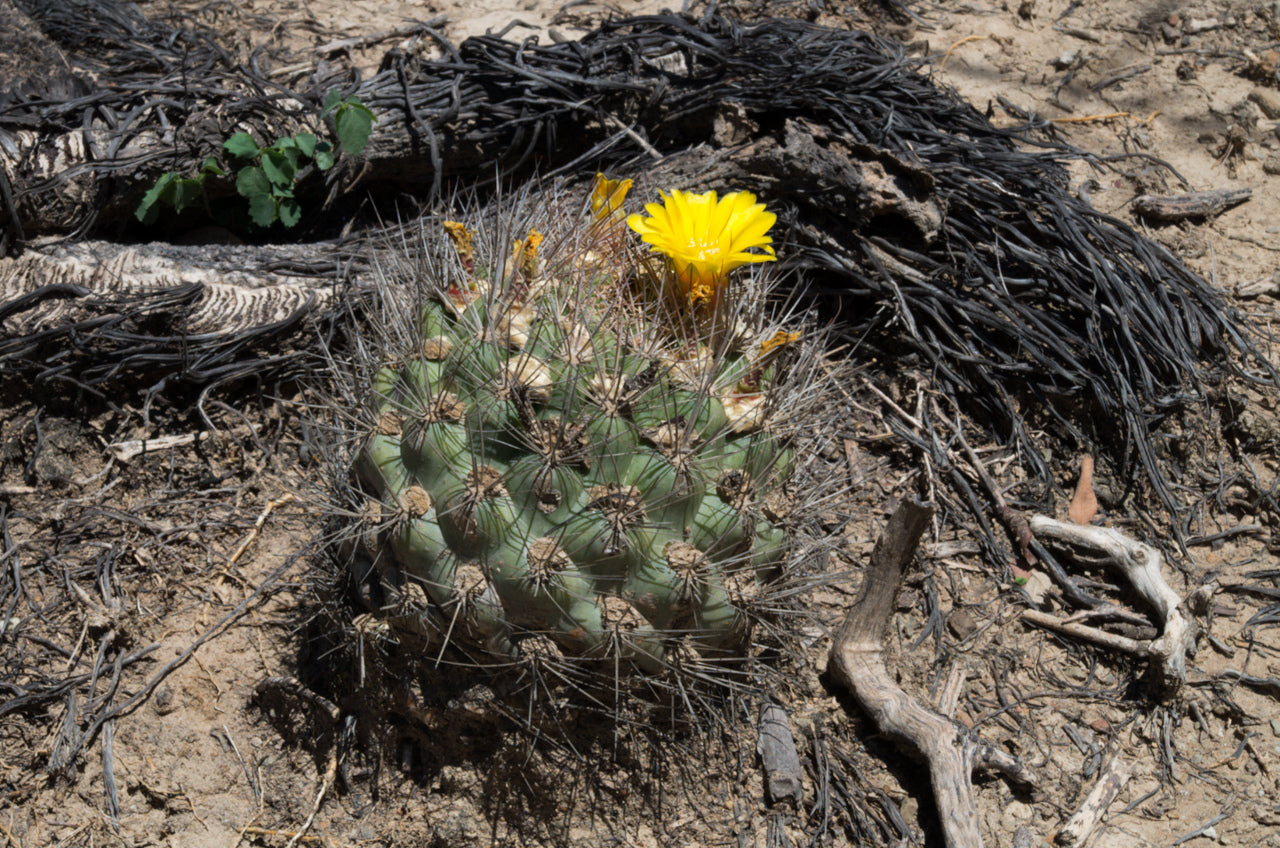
[1084, 504]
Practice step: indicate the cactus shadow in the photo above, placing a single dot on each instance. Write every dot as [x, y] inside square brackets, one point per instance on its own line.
[538, 749]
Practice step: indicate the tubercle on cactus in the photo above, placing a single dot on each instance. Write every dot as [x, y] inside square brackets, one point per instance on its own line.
[563, 463]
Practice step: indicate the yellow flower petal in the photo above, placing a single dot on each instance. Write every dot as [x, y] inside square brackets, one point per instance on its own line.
[705, 238]
[524, 256]
[777, 340]
[463, 241]
[607, 196]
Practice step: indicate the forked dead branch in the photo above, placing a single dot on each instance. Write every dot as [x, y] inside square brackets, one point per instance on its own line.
[1141, 565]
[951, 752]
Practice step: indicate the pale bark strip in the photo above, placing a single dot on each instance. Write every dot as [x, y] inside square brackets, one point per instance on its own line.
[1084, 820]
[1137, 647]
[857, 664]
[777, 750]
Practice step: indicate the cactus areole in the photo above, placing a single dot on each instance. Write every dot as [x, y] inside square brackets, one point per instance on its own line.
[567, 452]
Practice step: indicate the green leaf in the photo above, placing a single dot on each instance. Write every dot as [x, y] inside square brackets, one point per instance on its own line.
[278, 168]
[211, 166]
[242, 146]
[353, 126]
[170, 188]
[306, 142]
[251, 182]
[285, 143]
[147, 215]
[147, 211]
[262, 209]
[290, 212]
[331, 101]
[324, 156]
[186, 192]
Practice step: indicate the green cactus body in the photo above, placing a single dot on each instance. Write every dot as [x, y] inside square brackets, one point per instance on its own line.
[720, 530]
[584, 479]
[381, 466]
[549, 494]
[423, 555]
[769, 552]
[672, 488]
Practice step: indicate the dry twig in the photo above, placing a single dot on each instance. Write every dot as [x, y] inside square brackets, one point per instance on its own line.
[330, 773]
[257, 525]
[1196, 204]
[1089, 119]
[857, 664]
[953, 47]
[1082, 823]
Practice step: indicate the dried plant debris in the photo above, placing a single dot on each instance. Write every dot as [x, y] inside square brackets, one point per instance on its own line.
[98, 561]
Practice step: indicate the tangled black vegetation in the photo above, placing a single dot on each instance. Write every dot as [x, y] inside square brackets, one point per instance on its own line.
[980, 271]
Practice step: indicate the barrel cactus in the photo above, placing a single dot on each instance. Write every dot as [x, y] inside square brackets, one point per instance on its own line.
[574, 446]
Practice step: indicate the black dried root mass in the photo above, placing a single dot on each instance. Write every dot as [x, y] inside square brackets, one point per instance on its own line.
[949, 247]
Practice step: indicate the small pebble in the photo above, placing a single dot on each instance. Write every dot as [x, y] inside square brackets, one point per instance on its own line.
[1267, 100]
[1066, 60]
[1275, 727]
[961, 624]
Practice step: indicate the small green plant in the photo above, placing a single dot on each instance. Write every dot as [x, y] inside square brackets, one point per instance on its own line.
[267, 178]
[176, 190]
[352, 121]
[267, 182]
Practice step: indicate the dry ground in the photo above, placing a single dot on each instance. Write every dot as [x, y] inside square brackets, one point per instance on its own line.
[187, 554]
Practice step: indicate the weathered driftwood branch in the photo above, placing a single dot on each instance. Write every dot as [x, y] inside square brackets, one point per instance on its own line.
[1082, 823]
[95, 312]
[233, 288]
[857, 664]
[1141, 565]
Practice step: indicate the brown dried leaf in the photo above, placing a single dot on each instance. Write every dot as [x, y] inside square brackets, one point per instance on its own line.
[1084, 504]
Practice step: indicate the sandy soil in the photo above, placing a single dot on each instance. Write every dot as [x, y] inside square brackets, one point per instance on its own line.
[208, 532]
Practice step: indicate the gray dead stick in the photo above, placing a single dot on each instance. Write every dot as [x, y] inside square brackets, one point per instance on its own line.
[1196, 204]
[857, 664]
[1082, 823]
[777, 749]
[1142, 566]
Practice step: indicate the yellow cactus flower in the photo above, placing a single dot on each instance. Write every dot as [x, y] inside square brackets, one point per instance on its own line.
[777, 341]
[524, 257]
[463, 241]
[607, 196]
[704, 238]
